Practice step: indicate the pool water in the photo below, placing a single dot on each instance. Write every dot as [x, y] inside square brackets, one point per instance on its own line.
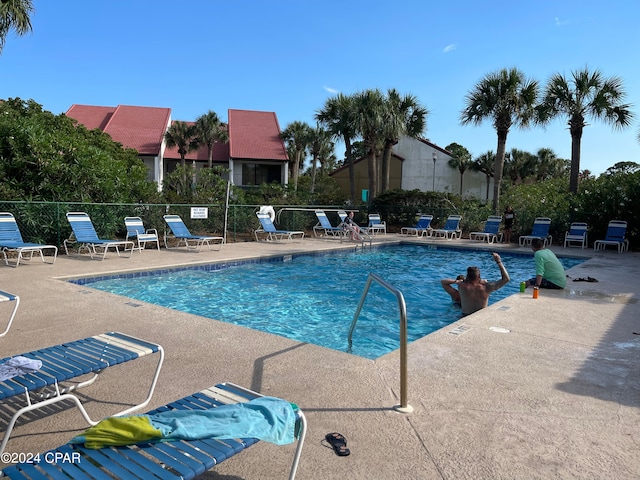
[313, 298]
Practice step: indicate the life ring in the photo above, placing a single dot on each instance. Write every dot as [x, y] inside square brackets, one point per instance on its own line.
[268, 209]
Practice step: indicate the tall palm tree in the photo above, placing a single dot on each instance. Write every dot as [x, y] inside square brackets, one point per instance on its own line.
[15, 15]
[585, 94]
[369, 124]
[211, 129]
[319, 141]
[461, 159]
[338, 116]
[403, 116]
[485, 164]
[520, 165]
[296, 135]
[182, 135]
[508, 98]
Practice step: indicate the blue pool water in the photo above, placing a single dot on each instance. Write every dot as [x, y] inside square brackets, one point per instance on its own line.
[313, 298]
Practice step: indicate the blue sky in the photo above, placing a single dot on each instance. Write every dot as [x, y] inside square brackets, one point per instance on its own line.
[290, 56]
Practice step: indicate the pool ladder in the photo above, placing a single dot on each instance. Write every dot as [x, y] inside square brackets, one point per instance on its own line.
[404, 407]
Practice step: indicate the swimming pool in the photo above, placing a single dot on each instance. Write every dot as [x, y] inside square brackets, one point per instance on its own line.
[313, 297]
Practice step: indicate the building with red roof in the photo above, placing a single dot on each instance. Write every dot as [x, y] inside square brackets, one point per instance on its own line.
[254, 154]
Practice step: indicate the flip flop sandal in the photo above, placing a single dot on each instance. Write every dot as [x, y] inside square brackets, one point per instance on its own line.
[338, 443]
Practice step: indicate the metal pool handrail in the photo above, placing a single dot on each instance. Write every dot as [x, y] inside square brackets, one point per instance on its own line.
[404, 407]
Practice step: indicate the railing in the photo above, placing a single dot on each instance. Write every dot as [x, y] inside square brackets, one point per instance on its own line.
[404, 407]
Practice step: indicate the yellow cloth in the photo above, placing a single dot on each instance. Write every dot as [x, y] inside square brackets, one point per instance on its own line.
[120, 431]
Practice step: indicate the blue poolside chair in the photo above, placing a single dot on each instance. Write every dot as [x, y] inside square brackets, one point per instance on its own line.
[490, 233]
[179, 459]
[577, 234]
[184, 236]
[376, 224]
[422, 228]
[11, 241]
[84, 234]
[137, 233]
[540, 230]
[9, 297]
[616, 236]
[450, 230]
[270, 233]
[324, 227]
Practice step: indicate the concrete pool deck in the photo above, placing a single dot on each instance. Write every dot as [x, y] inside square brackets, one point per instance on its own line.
[556, 397]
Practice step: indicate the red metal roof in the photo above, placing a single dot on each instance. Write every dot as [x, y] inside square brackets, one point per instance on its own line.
[256, 135]
[91, 117]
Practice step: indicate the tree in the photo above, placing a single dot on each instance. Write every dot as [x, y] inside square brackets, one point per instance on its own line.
[319, 143]
[338, 116]
[297, 135]
[585, 94]
[508, 99]
[210, 130]
[404, 116]
[461, 159]
[14, 15]
[520, 166]
[182, 135]
[484, 164]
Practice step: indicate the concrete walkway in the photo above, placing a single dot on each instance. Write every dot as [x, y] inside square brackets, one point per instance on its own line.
[555, 397]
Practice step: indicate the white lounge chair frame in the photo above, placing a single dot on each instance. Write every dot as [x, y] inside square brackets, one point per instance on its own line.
[137, 233]
[616, 231]
[269, 233]
[11, 241]
[419, 230]
[180, 232]
[539, 224]
[450, 230]
[84, 233]
[9, 297]
[577, 234]
[494, 235]
[168, 460]
[72, 361]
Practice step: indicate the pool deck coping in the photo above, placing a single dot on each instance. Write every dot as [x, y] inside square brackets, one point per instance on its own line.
[556, 397]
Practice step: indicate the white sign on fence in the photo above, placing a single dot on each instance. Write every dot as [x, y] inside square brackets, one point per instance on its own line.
[199, 212]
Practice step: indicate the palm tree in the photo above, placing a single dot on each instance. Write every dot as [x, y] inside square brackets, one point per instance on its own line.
[585, 94]
[211, 130]
[461, 159]
[297, 137]
[182, 135]
[369, 124]
[14, 15]
[338, 116]
[319, 142]
[484, 164]
[520, 165]
[403, 116]
[508, 98]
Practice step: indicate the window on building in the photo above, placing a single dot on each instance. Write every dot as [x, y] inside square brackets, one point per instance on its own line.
[257, 174]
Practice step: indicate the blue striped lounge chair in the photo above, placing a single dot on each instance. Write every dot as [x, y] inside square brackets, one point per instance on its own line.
[180, 459]
[84, 234]
[540, 230]
[376, 224]
[11, 241]
[450, 230]
[185, 238]
[422, 228]
[577, 235]
[490, 233]
[324, 227]
[616, 236]
[9, 297]
[70, 362]
[138, 234]
[268, 231]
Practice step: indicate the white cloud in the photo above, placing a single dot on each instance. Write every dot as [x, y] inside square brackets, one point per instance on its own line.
[331, 90]
[560, 23]
[450, 47]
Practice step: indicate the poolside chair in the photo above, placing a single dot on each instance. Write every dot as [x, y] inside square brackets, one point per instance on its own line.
[85, 234]
[422, 228]
[540, 230]
[490, 233]
[184, 236]
[577, 234]
[343, 215]
[11, 241]
[450, 230]
[376, 224]
[324, 227]
[178, 459]
[269, 233]
[137, 233]
[616, 236]
[9, 297]
[70, 362]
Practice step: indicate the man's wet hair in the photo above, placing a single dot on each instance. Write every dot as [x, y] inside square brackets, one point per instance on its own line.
[473, 273]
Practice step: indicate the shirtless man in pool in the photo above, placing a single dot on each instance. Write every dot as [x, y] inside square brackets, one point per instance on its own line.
[474, 291]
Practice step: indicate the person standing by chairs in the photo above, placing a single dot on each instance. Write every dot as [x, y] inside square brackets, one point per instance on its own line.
[509, 220]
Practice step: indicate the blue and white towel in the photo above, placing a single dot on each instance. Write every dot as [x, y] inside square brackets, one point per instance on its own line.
[18, 366]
